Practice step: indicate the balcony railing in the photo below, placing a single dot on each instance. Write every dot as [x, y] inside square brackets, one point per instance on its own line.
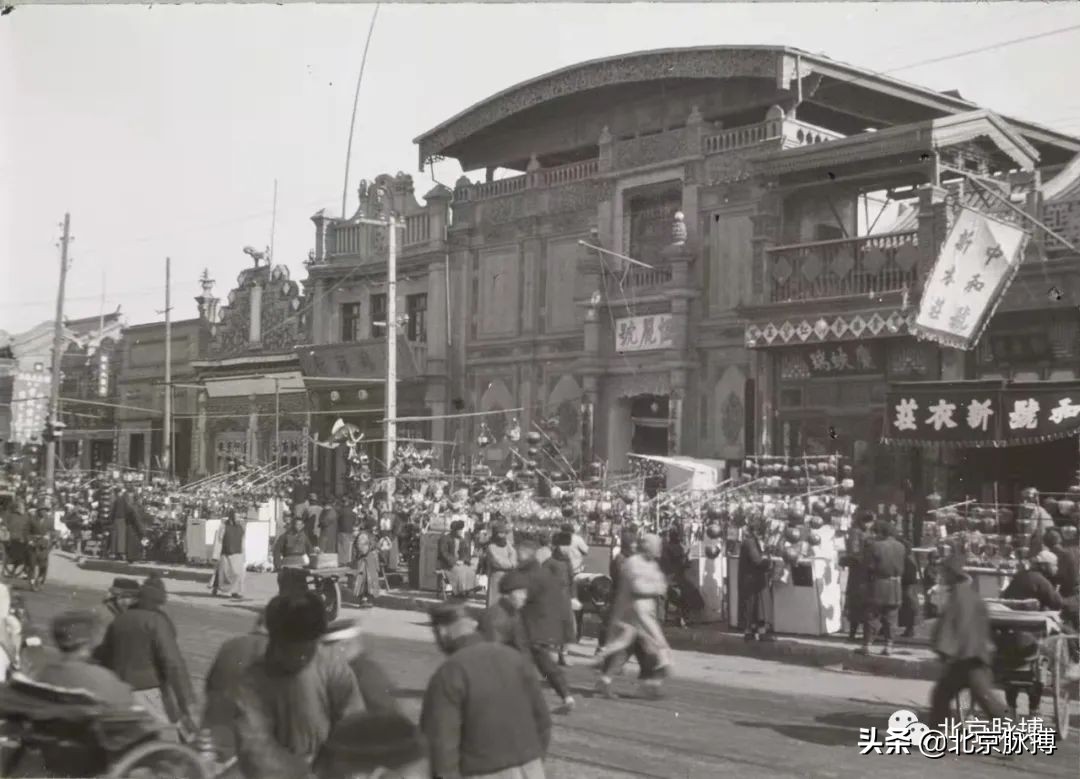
[349, 239]
[888, 262]
[782, 133]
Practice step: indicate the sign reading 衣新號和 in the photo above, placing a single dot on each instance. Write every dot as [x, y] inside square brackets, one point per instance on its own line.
[644, 333]
[976, 264]
[981, 414]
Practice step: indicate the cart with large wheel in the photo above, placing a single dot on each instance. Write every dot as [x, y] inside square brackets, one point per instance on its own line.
[78, 735]
[324, 582]
[1050, 659]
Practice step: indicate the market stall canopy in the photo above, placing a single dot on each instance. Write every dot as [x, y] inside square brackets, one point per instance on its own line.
[702, 474]
[981, 413]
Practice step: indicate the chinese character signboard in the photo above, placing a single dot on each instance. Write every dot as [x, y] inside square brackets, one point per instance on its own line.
[832, 360]
[643, 333]
[981, 414]
[974, 269]
[359, 360]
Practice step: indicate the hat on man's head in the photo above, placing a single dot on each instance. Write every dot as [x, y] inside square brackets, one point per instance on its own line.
[447, 614]
[513, 580]
[296, 618]
[121, 585]
[456, 525]
[365, 742]
[74, 629]
[152, 592]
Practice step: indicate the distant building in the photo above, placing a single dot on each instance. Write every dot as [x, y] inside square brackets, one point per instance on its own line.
[251, 406]
[141, 388]
[87, 391]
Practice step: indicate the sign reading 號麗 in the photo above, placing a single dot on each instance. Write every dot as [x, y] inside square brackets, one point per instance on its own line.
[973, 414]
[643, 333]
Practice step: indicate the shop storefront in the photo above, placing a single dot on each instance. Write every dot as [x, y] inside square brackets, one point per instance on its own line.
[1009, 435]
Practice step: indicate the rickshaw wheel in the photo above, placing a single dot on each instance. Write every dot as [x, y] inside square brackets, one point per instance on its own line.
[159, 760]
[330, 593]
[1061, 686]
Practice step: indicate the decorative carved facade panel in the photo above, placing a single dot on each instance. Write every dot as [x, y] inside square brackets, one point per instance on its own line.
[636, 152]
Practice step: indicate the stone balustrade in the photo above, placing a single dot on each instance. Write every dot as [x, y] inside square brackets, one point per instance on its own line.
[889, 262]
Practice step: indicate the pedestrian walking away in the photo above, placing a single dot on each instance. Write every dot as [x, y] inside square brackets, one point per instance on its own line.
[140, 647]
[962, 639]
[544, 615]
[484, 715]
[292, 698]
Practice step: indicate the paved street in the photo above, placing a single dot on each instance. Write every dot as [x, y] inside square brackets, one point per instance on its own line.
[721, 715]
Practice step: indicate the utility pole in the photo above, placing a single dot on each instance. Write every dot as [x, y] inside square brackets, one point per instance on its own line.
[168, 370]
[391, 356]
[57, 360]
[390, 437]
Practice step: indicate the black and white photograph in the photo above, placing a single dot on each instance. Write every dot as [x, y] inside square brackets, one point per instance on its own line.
[540, 390]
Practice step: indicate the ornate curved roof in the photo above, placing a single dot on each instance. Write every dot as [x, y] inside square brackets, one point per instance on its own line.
[784, 64]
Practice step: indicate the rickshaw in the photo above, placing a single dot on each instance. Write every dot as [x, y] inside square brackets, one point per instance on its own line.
[96, 740]
[1050, 661]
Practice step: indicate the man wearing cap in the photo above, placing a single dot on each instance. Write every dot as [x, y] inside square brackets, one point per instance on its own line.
[499, 558]
[292, 698]
[1034, 582]
[291, 550]
[372, 745]
[74, 633]
[123, 594]
[501, 622]
[453, 559]
[484, 714]
[884, 560]
[544, 614]
[140, 647]
[376, 689]
[962, 640]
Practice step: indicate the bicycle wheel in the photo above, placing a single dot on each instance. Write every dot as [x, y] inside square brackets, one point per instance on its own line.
[330, 593]
[160, 760]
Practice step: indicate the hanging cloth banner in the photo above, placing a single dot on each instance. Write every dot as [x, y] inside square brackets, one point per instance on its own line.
[976, 265]
[977, 414]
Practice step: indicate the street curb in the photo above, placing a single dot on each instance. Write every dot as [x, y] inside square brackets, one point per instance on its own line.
[718, 642]
[120, 568]
[711, 640]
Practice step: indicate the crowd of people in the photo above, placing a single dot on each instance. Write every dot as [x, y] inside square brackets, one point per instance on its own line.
[299, 697]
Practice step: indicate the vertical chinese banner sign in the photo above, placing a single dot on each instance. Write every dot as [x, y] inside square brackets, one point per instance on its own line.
[974, 269]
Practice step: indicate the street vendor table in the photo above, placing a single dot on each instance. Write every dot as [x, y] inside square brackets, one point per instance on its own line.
[989, 582]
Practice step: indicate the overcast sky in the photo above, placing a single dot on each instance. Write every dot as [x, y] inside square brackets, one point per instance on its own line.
[162, 129]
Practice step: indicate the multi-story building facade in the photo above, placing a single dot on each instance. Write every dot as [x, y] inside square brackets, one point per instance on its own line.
[141, 390]
[775, 158]
[345, 355]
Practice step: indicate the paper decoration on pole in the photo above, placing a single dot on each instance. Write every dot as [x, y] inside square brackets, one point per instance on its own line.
[974, 269]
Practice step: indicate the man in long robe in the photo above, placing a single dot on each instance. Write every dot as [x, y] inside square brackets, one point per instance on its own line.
[500, 557]
[229, 576]
[755, 587]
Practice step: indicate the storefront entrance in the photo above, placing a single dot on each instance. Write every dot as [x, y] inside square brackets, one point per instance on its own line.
[1048, 467]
